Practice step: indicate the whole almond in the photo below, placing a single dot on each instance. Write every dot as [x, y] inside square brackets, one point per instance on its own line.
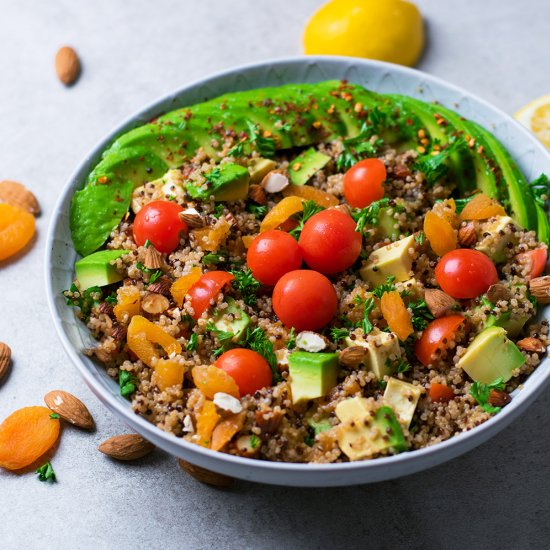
[153, 258]
[126, 447]
[206, 476]
[467, 235]
[70, 409]
[161, 286]
[499, 398]
[353, 356]
[155, 304]
[67, 65]
[438, 302]
[498, 292]
[540, 289]
[17, 194]
[257, 194]
[5, 359]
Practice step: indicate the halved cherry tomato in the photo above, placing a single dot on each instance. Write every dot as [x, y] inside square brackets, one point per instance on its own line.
[436, 336]
[248, 368]
[159, 223]
[329, 242]
[441, 393]
[305, 300]
[535, 260]
[465, 273]
[206, 289]
[272, 254]
[363, 183]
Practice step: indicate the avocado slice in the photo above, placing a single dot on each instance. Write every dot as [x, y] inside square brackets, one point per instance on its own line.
[312, 375]
[259, 168]
[543, 224]
[367, 431]
[226, 182]
[491, 355]
[306, 165]
[238, 322]
[319, 426]
[403, 398]
[495, 243]
[393, 259]
[96, 269]
[512, 324]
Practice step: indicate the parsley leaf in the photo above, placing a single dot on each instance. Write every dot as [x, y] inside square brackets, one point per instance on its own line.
[246, 285]
[368, 305]
[258, 210]
[421, 314]
[435, 167]
[213, 259]
[54, 416]
[111, 300]
[254, 441]
[540, 190]
[480, 392]
[224, 337]
[461, 203]
[193, 342]
[46, 473]
[127, 382]
[292, 340]
[155, 273]
[369, 215]
[338, 333]
[85, 300]
[218, 210]
[310, 209]
[257, 341]
[403, 365]
[420, 238]
[266, 146]
[358, 147]
[388, 286]
[238, 150]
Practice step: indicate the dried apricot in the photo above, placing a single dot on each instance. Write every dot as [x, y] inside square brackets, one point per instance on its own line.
[446, 209]
[180, 287]
[247, 240]
[143, 335]
[211, 238]
[26, 435]
[226, 429]
[211, 380]
[396, 314]
[322, 198]
[17, 228]
[440, 233]
[482, 207]
[206, 421]
[128, 303]
[281, 212]
[168, 373]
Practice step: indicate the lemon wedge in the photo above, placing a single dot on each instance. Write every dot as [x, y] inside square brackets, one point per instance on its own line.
[536, 116]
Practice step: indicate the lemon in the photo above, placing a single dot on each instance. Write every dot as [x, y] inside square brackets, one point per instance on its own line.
[389, 30]
[536, 116]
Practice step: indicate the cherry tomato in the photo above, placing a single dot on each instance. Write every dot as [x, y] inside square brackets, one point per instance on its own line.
[435, 336]
[363, 183]
[465, 273]
[249, 369]
[329, 242]
[305, 300]
[206, 289]
[535, 260]
[288, 225]
[159, 223]
[272, 254]
[441, 393]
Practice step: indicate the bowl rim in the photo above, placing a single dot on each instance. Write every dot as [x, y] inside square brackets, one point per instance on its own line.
[463, 441]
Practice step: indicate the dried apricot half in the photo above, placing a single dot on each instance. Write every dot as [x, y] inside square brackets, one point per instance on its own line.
[17, 228]
[322, 198]
[211, 380]
[26, 435]
[396, 314]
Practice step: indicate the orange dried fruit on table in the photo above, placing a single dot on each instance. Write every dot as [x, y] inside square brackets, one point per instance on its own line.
[482, 207]
[211, 380]
[17, 227]
[128, 303]
[211, 238]
[168, 373]
[26, 435]
[307, 192]
[182, 285]
[395, 312]
[206, 421]
[226, 429]
[281, 212]
[142, 336]
[440, 233]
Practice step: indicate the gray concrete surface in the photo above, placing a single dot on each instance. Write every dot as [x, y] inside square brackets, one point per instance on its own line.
[134, 52]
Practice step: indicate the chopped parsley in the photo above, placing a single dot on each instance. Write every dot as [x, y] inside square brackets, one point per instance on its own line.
[127, 382]
[420, 238]
[435, 167]
[213, 259]
[218, 210]
[540, 190]
[154, 276]
[155, 273]
[292, 339]
[358, 147]
[388, 286]
[368, 305]
[480, 392]
[238, 150]
[257, 341]
[310, 209]
[421, 314]
[85, 300]
[111, 300]
[147, 243]
[403, 365]
[369, 215]
[461, 203]
[224, 337]
[54, 416]
[258, 210]
[338, 333]
[254, 441]
[246, 285]
[266, 146]
[46, 473]
[193, 342]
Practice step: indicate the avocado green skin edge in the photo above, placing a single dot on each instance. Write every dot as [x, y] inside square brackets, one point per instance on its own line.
[385, 417]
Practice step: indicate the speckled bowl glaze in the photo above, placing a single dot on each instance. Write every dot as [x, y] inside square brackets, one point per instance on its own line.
[380, 77]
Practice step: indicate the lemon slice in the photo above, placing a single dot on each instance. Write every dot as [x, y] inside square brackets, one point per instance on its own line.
[536, 116]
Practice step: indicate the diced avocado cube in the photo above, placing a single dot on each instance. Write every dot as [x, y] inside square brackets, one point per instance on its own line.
[319, 426]
[312, 375]
[306, 165]
[387, 227]
[512, 324]
[226, 182]
[383, 350]
[259, 168]
[232, 319]
[391, 260]
[491, 355]
[501, 231]
[366, 431]
[402, 397]
[96, 269]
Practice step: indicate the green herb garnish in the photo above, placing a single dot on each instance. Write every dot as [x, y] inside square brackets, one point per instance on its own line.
[338, 334]
[111, 300]
[254, 441]
[403, 365]
[147, 243]
[310, 209]
[258, 210]
[127, 382]
[46, 473]
[218, 210]
[292, 339]
[213, 259]
[257, 341]
[435, 167]
[540, 190]
[421, 314]
[224, 337]
[54, 416]
[266, 146]
[388, 286]
[85, 300]
[358, 147]
[155, 273]
[193, 342]
[369, 215]
[368, 305]
[420, 238]
[246, 285]
[480, 392]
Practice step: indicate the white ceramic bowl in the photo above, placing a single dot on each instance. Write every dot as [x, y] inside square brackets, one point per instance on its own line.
[380, 77]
